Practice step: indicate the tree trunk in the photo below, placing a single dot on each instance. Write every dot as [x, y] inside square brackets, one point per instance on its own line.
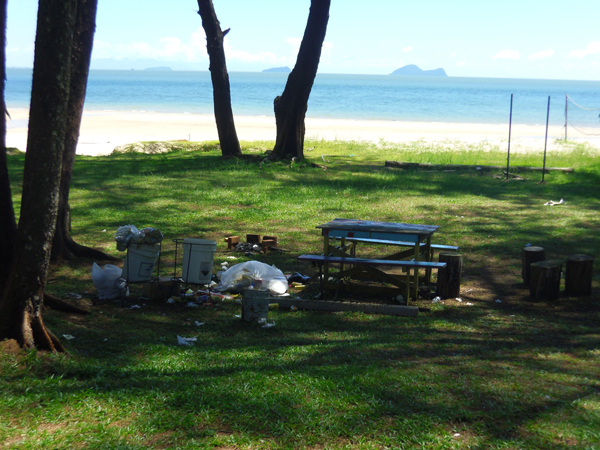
[530, 255]
[578, 275]
[21, 303]
[230, 146]
[63, 245]
[448, 283]
[544, 283]
[290, 107]
[8, 224]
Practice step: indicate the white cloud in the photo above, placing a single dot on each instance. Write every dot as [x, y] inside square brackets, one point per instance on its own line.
[407, 49]
[507, 54]
[593, 47]
[544, 54]
[247, 57]
[462, 63]
[168, 48]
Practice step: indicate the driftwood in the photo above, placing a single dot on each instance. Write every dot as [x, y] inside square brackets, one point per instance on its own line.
[478, 168]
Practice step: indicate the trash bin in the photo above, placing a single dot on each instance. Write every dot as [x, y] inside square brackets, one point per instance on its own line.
[198, 257]
[255, 305]
[140, 261]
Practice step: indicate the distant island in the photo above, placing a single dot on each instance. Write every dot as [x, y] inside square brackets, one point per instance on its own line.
[285, 69]
[159, 69]
[412, 70]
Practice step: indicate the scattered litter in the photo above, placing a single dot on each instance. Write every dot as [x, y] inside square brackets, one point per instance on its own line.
[459, 299]
[528, 244]
[293, 308]
[232, 257]
[323, 158]
[469, 304]
[74, 295]
[170, 300]
[185, 341]
[105, 339]
[512, 315]
[68, 337]
[456, 434]
[268, 325]
[400, 298]
[193, 305]
[135, 307]
[468, 291]
[104, 231]
[552, 203]
[238, 316]
[436, 300]
[298, 277]
[498, 300]
[199, 324]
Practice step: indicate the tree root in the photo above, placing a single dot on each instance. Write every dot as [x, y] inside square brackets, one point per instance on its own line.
[58, 304]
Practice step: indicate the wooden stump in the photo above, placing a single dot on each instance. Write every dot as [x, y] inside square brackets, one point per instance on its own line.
[544, 282]
[448, 284]
[578, 275]
[531, 255]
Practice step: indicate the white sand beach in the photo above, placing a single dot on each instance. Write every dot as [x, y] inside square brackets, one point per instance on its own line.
[102, 131]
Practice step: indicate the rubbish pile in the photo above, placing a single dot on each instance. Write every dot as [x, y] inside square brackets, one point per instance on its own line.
[129, 234]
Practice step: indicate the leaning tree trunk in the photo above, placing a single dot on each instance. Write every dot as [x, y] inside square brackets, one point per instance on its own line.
[230, 146]
[8, 224]
[21, 303]
[63, 245]
[291, 106]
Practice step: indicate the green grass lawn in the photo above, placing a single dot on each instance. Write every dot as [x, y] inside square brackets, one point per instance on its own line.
[473, 374]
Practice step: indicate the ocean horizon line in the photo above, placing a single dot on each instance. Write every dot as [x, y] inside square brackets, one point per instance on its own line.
[281, 74]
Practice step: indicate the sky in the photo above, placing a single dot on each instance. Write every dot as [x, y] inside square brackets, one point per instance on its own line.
[540, 39]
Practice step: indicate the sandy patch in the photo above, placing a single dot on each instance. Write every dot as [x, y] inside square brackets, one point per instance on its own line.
[102, 131]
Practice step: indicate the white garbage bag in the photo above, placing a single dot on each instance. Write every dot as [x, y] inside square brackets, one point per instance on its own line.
[244, 275]
[108, 281]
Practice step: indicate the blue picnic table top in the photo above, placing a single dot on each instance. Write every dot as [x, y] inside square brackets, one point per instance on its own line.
[367, 229]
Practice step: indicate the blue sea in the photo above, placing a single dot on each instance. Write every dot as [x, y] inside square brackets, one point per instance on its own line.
[381, 97]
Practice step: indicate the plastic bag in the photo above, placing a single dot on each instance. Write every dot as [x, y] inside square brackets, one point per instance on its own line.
[108, 281]
[262, 276]
[129, 234]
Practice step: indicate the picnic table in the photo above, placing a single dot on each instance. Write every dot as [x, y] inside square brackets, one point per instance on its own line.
[352, 232]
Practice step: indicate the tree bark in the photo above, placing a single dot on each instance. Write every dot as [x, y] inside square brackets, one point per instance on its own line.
[21, 303]
[290, 107]
[63, 245]
[578, 275]
[544, 283]
[8, 224]
[230, 145]
[530, 255]
[448, 284]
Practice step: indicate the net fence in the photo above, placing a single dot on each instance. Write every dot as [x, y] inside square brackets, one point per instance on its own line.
[584, 120]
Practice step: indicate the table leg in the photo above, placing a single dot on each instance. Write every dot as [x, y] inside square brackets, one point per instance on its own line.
[325, 275]
[429, 258]
[416, 276]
